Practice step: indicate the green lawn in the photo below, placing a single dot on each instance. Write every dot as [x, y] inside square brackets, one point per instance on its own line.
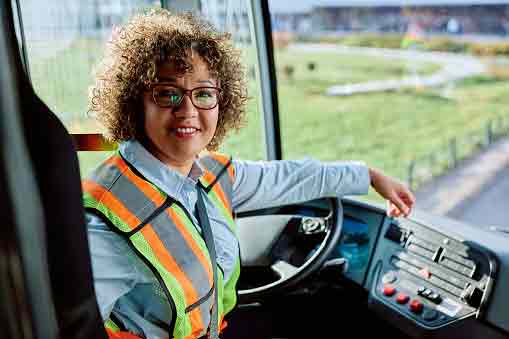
[386, 130]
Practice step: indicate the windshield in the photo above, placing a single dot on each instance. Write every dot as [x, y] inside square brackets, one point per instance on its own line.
[417, 88]
[64, 42]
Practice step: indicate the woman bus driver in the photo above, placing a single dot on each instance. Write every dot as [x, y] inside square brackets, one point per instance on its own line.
[169, 91]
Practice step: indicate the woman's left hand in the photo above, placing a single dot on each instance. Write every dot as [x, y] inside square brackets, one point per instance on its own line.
[400, 199]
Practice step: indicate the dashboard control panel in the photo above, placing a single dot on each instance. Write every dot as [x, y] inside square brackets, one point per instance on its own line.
[429, 277]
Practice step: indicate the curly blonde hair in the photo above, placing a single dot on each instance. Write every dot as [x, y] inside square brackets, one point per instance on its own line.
[140, 47]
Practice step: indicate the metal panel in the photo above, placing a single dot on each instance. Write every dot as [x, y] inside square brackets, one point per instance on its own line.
[34, 311]
[261, 26]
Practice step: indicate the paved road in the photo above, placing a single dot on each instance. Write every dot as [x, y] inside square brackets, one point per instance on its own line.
[453, 67]
[476, 192]
[490, 206]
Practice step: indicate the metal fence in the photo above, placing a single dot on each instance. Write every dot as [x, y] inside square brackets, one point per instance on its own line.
[451, 154]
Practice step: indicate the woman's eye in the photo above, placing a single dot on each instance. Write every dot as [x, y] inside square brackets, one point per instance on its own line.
[171, 95]
[167, 93]
[203, 94]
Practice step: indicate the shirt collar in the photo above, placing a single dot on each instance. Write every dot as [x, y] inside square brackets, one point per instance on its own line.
[165, 178]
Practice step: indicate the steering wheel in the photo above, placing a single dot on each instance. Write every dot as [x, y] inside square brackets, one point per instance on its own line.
[288, 274]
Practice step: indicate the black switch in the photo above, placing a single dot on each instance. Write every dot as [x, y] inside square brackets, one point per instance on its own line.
[394, 233]
[435, 297]
[472, 295]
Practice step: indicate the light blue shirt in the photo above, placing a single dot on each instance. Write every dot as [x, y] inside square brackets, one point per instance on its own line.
[125, 286]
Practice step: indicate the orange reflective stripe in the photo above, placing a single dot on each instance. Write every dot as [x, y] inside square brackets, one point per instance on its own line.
[223, 324]
[231, 171]
[112, 203]
[224, 161]
[219, 158]
[120, 335]
[220, 193]
[149, 191]
[209, 177]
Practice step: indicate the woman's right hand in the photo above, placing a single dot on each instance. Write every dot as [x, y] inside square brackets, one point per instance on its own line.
[400, 198]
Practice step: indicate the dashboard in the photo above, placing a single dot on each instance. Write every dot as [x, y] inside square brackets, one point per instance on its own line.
[427, 276]
[429, 279]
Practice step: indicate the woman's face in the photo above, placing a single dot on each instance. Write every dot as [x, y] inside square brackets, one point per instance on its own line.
[177, 134]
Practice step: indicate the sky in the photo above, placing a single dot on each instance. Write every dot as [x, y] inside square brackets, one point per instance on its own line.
[305, 5]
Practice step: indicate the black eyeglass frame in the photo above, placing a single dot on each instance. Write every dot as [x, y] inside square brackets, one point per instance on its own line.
[187, 92]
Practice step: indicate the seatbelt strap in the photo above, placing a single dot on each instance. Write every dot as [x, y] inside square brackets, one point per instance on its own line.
[203, 219]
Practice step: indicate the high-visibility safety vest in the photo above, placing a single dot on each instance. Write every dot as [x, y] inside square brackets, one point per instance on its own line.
[161, 233]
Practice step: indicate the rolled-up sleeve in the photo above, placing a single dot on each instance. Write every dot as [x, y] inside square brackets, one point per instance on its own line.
[262, 184]
[114, 272]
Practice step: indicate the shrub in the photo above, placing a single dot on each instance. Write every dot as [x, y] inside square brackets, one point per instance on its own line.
[500, 48]
[446, 45]
[373, 40]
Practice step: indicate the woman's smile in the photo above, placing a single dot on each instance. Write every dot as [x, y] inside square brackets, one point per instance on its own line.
[185, 132]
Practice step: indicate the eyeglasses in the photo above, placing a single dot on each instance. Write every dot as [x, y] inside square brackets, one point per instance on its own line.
[171, 96]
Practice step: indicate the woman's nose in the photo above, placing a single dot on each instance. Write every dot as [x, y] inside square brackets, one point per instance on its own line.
[186, 108]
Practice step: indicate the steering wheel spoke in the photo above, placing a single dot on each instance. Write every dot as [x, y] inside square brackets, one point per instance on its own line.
[284, 269]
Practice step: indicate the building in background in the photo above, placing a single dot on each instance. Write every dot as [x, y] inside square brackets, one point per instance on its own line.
[477, 17]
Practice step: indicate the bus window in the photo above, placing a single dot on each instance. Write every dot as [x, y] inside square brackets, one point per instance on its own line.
[412, 89]
[64, 41]
[233, 17]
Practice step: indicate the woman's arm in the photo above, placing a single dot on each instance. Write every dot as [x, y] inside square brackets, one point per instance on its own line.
[114, 272]
[262, 184]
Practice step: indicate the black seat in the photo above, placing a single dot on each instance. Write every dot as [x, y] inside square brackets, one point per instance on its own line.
[57, 177]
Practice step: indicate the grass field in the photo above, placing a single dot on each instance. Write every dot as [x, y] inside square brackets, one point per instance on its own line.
[386, 130]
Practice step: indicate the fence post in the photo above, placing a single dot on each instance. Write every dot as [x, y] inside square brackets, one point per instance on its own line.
[432, 163]
[500, 125]
[453, 151]
[410, 174]
[489, 132]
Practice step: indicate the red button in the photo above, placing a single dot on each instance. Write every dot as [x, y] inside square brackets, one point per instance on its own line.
[389, 290]
[402, 298]
[425, 273]
[416, 306]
